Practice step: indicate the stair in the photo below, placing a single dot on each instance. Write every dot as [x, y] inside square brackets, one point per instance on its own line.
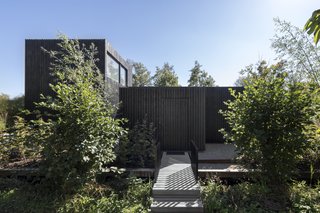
[176, 189]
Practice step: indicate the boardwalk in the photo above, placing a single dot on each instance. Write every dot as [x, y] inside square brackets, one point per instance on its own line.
[176, 189]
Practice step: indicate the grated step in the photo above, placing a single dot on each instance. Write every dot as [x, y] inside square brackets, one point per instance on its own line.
[185, 205]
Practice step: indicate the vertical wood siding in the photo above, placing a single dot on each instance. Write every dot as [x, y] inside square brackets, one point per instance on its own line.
[178, 113]
[37, 66]
[215, 98]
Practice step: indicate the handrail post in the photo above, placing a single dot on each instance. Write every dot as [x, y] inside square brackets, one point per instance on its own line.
[194, 158]
[157, 160]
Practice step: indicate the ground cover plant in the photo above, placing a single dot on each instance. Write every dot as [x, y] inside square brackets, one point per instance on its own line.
[128, 195]
[257, 197]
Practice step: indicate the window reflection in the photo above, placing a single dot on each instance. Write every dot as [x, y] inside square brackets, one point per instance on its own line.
[112, 69]
[123, 76]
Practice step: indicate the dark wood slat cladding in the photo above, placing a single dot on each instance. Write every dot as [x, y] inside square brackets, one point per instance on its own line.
[215, 98]
[37, 63]
[178, 113]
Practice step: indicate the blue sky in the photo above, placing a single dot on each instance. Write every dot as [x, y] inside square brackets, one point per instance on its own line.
[223, 35]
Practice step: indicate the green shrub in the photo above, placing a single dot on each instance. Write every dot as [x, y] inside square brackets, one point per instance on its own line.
[268, 123]
[16, 196]
[21, 141]
[305, 198]
[82, 129]
[4, 104]
[256, 197]
[138, 148]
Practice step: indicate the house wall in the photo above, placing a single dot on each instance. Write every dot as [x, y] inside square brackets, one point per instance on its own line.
[37, 66]
[178, 113]
[215, 98]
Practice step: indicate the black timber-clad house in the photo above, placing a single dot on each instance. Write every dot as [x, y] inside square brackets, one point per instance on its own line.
[116, 71]
[179, 114]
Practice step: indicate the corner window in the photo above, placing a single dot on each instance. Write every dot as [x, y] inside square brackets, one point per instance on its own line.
[112, 69]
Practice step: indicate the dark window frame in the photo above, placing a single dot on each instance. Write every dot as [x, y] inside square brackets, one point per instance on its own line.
[119, 70]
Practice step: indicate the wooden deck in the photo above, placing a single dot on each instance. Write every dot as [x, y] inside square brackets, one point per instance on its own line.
[176, 189]
[218, 153]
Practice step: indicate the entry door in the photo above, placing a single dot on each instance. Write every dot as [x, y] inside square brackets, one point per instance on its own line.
[174, 124]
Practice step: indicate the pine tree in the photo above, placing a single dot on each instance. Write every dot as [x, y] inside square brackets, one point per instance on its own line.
[141, 76]
[200, 78]
[165, 77]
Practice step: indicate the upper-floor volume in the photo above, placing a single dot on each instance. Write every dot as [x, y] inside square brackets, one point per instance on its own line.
[115, 70]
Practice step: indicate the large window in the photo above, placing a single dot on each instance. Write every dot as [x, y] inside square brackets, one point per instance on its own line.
[112, 69]
[123, 76]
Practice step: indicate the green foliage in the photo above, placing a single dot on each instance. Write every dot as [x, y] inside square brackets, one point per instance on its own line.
[9, 108]
[305, 198]
[141, 76]
[4, 104]
[294, 47]
[268, 124]
[21, 141]
[200, 78]
[165, 77]
[311, 157]
[15, 108]
[244, 197]
[313, 26]
[18, 197]
[137, 150]
[255, 197]
[82, 130]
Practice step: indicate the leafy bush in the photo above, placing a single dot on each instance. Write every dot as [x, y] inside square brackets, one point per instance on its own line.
[4, 104]
[312, 155]
[244, 197]
[21, 141]
[15, 108]
[268, 124]
[138, 148]
[82, 130]
[16, 196]
[305, 198]
[256, 197]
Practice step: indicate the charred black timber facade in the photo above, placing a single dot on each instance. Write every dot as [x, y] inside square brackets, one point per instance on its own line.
[37, 66]
[180, 114]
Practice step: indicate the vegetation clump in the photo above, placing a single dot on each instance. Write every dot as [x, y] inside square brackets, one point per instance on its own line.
[81, 130]
[268, 123]
[132, 197]
[257, 197]
[137, 149]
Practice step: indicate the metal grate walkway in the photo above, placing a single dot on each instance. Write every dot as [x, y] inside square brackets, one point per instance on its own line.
[176, 189]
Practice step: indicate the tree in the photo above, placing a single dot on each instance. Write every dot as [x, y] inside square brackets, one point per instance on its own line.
[141, 76]
[248, 75]
[165, 77]
[293, 46]
[4, 103]
[82, 131]
[16, 106]
[268, 123]
[313, 26]
[200, 78]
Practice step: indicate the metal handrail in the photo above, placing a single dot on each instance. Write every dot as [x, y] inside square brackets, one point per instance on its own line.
[157, 160]
[194, 158]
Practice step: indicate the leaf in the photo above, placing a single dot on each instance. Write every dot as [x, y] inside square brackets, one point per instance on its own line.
[316, 36]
